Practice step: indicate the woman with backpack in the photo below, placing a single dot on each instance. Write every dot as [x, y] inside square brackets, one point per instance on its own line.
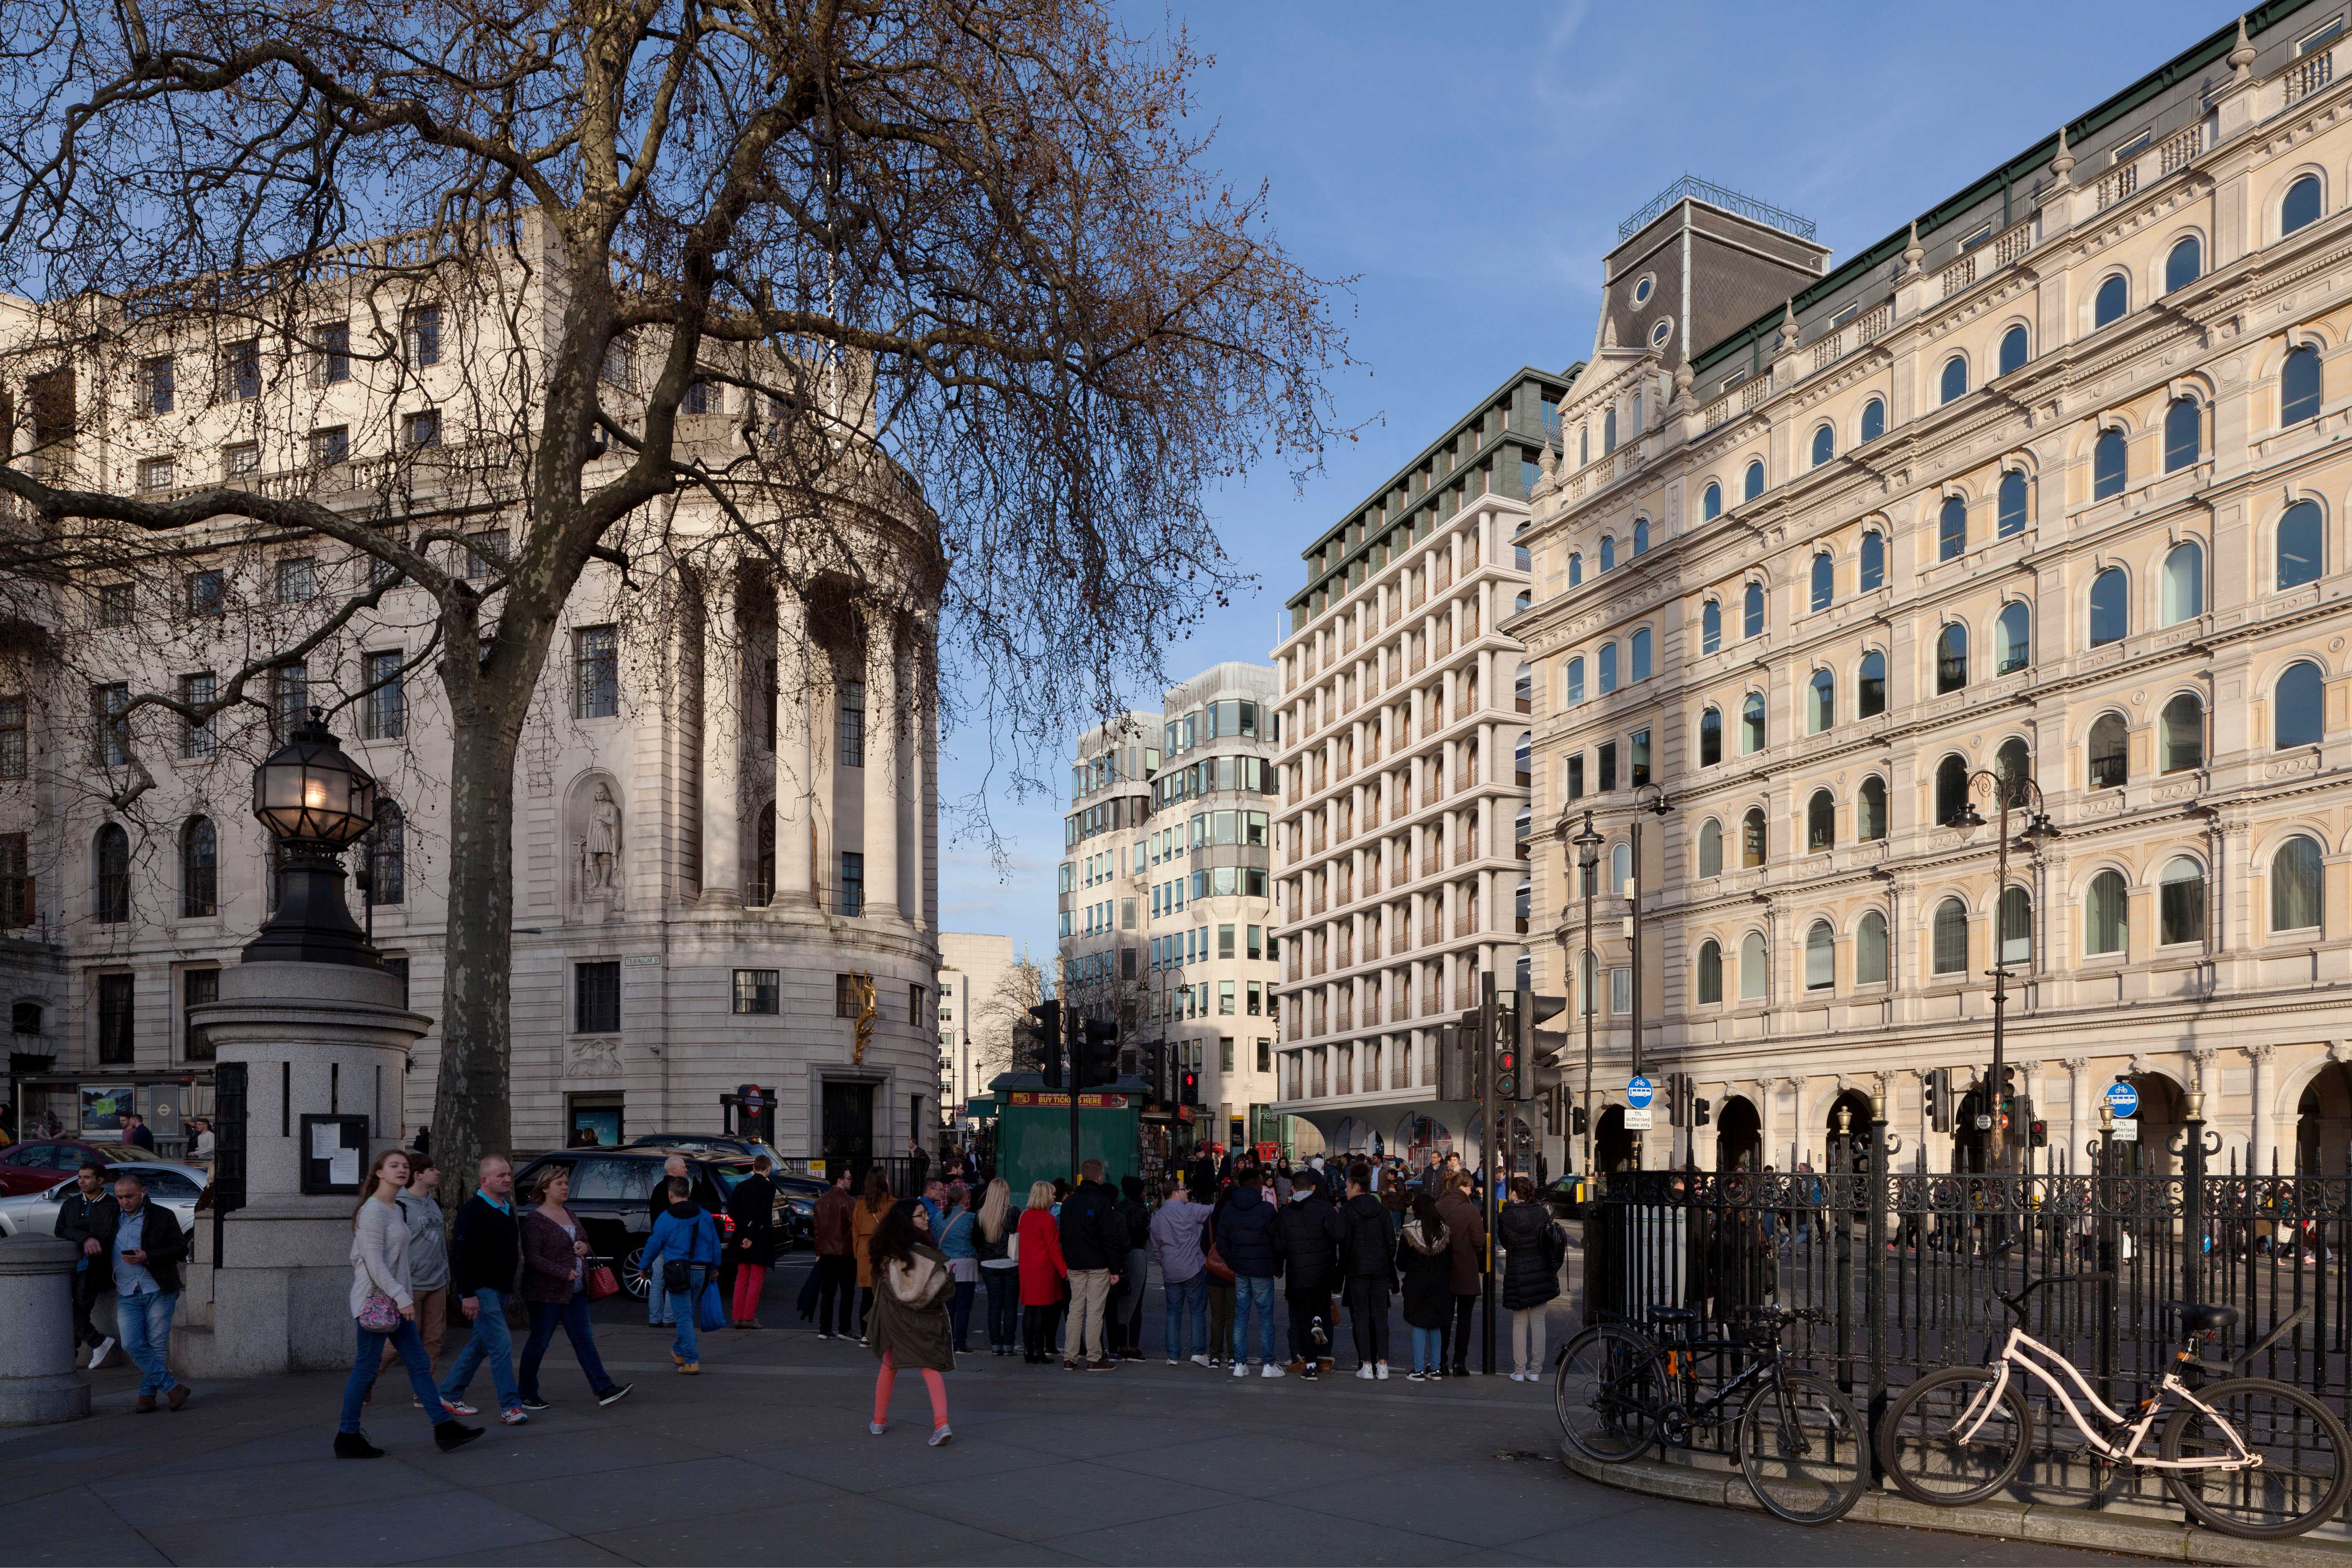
[909, 1325]
[1426, 1256]
[685, 1247]
[1536, 1248]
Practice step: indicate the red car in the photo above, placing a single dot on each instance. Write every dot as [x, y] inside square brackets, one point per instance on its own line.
[45, 1162]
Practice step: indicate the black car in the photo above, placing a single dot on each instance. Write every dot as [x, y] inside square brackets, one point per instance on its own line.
[800, 1193]
[611, 1191]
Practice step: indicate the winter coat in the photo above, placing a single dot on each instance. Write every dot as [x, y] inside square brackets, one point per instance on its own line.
[548, 1260]
[864, 1219]
[1093, 1233]
[81, 1219]
[1368, 1250]
[1467, 1226]
[684, 1234]
[1245, 1235]
[379, 1255]
[1537, 1247]
[485, 1248]
[1428, 1265]
[1307, 1236]
[829, 1230]
[909, 1320]
[1176, 1240]
[752, 1206]
[1042, 1269]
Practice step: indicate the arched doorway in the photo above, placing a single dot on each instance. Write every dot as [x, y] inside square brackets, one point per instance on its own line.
[1612, 1146]
[2323, 1123]
[2163, 1107]
[1856, 1107]
[1739, 1136]
[1971, 1143]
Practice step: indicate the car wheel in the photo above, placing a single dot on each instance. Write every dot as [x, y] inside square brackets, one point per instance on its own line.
[632, 1271]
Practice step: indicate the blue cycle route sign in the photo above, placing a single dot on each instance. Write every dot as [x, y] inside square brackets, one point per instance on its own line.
[1639, 1092]
[2123, 1100]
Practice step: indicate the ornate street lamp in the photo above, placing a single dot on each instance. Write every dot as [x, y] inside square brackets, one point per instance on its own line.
[316, 803]
[1588, 861]
[2022, 795]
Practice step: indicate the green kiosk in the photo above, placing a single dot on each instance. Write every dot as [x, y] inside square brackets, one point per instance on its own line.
[1032, 1129]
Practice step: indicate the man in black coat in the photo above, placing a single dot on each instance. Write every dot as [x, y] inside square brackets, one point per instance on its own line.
[485, 1265]
[1368, 1266]
[147, 1247]
[752, 1206]
[1307, 1235]
[1093, 1246]
[87, 1218]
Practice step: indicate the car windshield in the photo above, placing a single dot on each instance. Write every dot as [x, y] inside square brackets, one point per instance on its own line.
[730, 1177]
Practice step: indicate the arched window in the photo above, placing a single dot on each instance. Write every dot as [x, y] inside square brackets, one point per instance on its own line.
[2297, 706]
[2296, 889]
[1751, 611]
[2180, 901]
[1870, 699]
[762, 891]
[2016, 926]
[2183, 734]
[1609, 433]
[2302, 545]
[1752, 844]
[2183, 593]
[1821, 823]
[1874, 419]
[2013, 765]
[1608, 553]
[1575, 681]
[1519, 605]
[2014, 346]
[1710, 627]
[1870, 950]
[1710, 502]
[1710, 737]
[1751, 483]
[1751, 724]
[1575, 569]
[2110, 752]
[1522, 688]
[1952, 791]
[199, 869]
[1952, 528]
[1523, 759]
[1640, 536]
[2184, 263]
[1621, 867]
[1824, 445]
[110, 879]
[2184, 435]
[1641, 655]
[1607, 667]
[2012, 637]
[2299, 386]
[2008, 505]
[2106, 923]
[1710, 971]
[1824, 581]
[2301, 204]
[1821, 702]
[1583, 444]
[1753, 980]
[1951, 945]
[1870, 810]
[2108, 464]
[1951, 659]
[1710, 848]
[1873, 559]
[2110, 606]
[2114, 298]
[1821, 957]
[1955, 380]
[387, 853]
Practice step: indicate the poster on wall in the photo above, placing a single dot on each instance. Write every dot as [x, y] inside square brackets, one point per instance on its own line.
[103, 1109]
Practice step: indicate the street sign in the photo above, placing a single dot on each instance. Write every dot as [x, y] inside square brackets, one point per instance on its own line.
[1639, 1092]
[1637, 1118]
[2127, 1130]
[1984, 1122]
[2123, 1100]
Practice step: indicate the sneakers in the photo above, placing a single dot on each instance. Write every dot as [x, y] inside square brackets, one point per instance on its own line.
[1317, 1333]
[533, 1402]
[1416, 1375]
[1381, 1372]
[1310, 1374]
[822, 1335]
[876, 1428]
[614, 1395]
[1364, 1373]
[1203, 1360]
[1268, 1370]
[1240, 1369]
[941, 1437]
[456, 1406]
[1173, 1361]
[98, 1353]
[513, 1418]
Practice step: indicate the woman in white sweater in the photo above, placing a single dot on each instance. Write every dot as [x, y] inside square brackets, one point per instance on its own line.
[384, 1313]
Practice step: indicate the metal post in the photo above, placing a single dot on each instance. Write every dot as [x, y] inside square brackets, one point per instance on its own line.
[1496, 1142]
[1836, 1212]
[1587, 973]
[1634, 912]
[1874, 1271]
[2103, 1210]
[2192, 1200]
[1070, 1035]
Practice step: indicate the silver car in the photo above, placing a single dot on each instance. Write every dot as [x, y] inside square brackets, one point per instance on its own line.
[172, 1185]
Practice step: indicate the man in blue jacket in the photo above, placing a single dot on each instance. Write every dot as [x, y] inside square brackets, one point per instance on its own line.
[1248, 1242]
[685, 1242]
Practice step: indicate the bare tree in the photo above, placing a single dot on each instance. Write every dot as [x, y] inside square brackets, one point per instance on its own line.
[962, 254]
[1000, 1015]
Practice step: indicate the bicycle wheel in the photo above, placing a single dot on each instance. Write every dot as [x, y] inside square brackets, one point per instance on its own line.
[2303, 1473]
[1607, 1393]
[1804, 1450]
[1944, 1447]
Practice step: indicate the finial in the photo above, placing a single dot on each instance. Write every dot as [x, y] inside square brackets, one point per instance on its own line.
[1683, 379]
[1912, 251]
[1609, 334]
[2062, 165]
[2241, 59]
[1788, 338]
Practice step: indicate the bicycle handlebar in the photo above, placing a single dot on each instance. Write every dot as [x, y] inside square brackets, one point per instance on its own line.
[2016, 1304]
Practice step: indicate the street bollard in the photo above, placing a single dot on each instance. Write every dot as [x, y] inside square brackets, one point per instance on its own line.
[38, 1381]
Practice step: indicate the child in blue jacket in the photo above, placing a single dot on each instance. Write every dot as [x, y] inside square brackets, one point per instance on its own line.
[687, 1236]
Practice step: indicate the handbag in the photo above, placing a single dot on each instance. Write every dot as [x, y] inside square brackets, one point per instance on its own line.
[601, 1282]
[1012, 1247]
[712, 1313]
[379, 1314]
[678, 1275]
[1219, 1269]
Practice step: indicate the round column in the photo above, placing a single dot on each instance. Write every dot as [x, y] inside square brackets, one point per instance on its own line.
[38, 1382]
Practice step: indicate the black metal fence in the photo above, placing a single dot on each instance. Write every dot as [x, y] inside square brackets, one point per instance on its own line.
[1904, 1266]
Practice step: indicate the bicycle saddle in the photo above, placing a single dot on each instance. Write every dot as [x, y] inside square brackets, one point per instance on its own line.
[1665, 1314]
[2201, 1317]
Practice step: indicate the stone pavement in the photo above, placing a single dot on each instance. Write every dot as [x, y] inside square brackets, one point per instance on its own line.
[765, 1458]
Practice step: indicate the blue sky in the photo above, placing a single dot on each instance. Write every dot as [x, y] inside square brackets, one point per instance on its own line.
[1468, 165]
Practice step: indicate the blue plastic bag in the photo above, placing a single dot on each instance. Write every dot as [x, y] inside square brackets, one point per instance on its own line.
[713, 1313]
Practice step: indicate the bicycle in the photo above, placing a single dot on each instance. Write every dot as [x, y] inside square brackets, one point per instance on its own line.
[2272, 1465]
[1803, 1447]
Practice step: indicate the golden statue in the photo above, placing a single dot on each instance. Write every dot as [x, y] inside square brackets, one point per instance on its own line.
[861, 990]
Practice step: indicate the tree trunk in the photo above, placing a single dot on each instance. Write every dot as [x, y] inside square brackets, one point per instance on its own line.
[472, 1115]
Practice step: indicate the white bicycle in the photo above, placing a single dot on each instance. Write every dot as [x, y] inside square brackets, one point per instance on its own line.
[2247, 1456]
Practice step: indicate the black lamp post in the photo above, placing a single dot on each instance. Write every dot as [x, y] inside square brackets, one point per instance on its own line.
[1588, 861]
[316, 803]
[2010, 794]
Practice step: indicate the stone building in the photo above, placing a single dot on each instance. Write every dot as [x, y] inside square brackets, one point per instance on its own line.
[1403, 822]
[725, 800]
[2045, 489]
[978, 1008]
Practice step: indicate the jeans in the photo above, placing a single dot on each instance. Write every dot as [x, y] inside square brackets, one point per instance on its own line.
[573, 1316]
[660, 1311]
[960, 1310]
[432, 1319]
[144, 1323]
[1527, 1338]
[369, 1356]
[1188, 1307]
[1368, 1315]
[837, 1291]
[490, 1342]
[688, 1314]
[1429, 1350]
[1004, 1306]
[1089, 1304]
[1253, 1294]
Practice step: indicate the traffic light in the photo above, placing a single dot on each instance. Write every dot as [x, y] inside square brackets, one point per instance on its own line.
[1576, 1122]
[1935, 1088]
[1045, 1039]
[2041, 1133]
[1678, 1099]
[1528, 1011]
[1097, 1052]
[1188, 1086]
[1506, 1071]
[1698, 1112]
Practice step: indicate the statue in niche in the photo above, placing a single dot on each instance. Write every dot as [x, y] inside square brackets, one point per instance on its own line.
[594, 832]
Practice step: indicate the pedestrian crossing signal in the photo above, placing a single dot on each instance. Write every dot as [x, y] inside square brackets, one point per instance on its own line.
[2040, 1135]
[1506, 1072]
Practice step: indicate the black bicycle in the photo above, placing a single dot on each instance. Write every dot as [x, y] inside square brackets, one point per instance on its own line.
[1802, 1446]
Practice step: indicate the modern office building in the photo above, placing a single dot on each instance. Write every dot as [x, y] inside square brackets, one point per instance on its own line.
[1403, 824]
[2036, 501]
[980, 1001]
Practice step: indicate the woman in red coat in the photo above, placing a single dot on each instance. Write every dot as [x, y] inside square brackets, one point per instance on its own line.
[1042, 1273]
